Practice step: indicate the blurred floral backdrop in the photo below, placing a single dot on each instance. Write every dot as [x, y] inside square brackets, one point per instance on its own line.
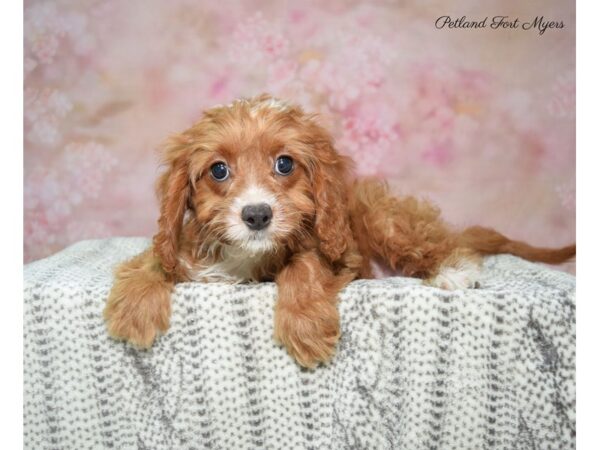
[481, 121]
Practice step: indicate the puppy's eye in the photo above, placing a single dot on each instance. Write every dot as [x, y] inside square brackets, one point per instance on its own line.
[284, 165]
[219, 171]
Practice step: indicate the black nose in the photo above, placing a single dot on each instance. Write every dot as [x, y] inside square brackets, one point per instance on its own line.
[257, 217]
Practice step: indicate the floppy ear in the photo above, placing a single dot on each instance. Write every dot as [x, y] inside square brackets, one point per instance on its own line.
[330, 189]
[173, 189]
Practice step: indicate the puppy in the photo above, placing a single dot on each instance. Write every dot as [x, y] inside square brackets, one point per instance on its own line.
[256, 191]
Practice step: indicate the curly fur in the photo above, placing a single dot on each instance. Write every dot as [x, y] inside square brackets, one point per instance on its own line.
[326, 229]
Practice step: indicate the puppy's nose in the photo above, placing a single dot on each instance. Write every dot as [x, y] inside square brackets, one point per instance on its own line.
[257, 217]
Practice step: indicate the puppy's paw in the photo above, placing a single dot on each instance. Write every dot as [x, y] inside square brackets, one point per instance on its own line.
[137, 316]
[309, 338]
[460, 271]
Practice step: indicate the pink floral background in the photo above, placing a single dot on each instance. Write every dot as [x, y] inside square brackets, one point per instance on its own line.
[480, 121]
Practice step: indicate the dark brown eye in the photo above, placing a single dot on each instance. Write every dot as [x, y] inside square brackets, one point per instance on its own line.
[284, 165]
[219, 171]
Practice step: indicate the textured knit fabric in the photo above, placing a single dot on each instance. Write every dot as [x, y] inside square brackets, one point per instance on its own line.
[416, 368]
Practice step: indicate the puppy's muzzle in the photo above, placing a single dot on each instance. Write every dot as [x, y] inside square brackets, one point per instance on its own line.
[257, 217]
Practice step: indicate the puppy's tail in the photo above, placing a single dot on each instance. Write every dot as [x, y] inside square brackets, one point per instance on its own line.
[489, 242]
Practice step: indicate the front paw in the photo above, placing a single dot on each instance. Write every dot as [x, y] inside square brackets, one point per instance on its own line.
[137, 315]
[310, 338]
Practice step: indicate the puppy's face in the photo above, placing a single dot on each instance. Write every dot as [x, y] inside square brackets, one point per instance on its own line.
[251, 175]
[258, 175]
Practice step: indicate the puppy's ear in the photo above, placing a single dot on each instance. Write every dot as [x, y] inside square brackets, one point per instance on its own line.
[330, 188]
[173, 190]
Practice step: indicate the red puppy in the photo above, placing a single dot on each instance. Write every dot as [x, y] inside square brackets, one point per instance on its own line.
[256, 191]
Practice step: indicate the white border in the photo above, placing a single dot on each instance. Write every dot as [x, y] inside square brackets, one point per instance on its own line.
[11, 235]
[588, 211]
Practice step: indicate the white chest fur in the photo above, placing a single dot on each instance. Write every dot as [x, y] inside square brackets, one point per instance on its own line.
[234, 266]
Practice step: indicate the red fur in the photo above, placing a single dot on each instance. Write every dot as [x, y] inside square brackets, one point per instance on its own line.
[326, 229]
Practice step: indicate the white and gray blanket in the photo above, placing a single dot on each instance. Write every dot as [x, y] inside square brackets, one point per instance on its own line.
[417, 367]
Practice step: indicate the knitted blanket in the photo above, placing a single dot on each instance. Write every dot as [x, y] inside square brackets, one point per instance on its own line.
[416, 368]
